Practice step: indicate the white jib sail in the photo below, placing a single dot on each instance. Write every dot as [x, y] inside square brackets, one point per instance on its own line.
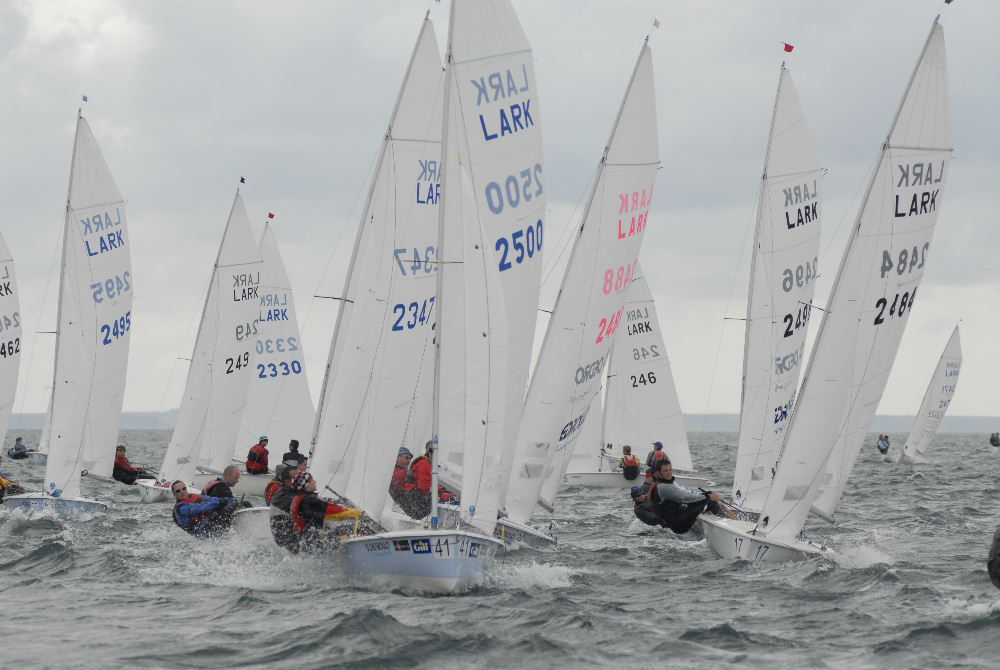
[10, 335]
[377, 389]
[641, 404]
[492, 234]
[937, 398]
[782, 282]
[94, 323]
[278, 404]
[588, 453]
[222, 362]
[591, 305]
[873, 293]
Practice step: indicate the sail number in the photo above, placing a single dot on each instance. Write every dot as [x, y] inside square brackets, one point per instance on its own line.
[620, 280]
[10, 347]
[906, 261]
[525, 242]
[800, 276]
[644, 353]
[112, 287]
[900, 304]
[238, 362]
[282, 368]
[573, 426]
[420, 313]
[643, 379]
[797, 319]
[514, 189]
[116, 329]
[609, 326]
[415, 263]
[279, 345]
[8, 321]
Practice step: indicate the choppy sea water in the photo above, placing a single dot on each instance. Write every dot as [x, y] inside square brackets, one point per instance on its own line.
[908, 588]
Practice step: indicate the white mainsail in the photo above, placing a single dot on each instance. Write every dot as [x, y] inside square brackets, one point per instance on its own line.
[93, 326]
[378, 384]
[591, 302]
[10, 335]
[641, 404]
[873, 293]
[491, 238]
[278, 403]
[779, 304]
[936, 400]
[223, 358]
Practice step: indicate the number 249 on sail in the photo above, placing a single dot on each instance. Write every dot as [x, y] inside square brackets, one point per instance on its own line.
[117, 328]
[111, 287]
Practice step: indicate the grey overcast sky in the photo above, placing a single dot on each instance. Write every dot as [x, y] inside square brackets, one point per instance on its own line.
[185, 97]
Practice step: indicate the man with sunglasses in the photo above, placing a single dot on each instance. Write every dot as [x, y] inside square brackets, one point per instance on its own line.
[201, 516]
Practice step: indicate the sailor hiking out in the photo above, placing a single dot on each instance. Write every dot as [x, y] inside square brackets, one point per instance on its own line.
[672, 505]
[298, 514]
[201, 516]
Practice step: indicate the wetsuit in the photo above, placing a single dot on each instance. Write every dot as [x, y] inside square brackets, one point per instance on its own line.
[18, 451]
[297, 519]
[644, 509]
[294, 456]
[204, 516]
[680, 506]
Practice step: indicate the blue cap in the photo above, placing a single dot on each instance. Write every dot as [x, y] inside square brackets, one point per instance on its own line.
[658, 444]
[403, 451]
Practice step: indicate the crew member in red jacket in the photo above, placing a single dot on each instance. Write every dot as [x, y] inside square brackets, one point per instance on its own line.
[416, 498]
[257, 458]
[124, 471]
[298, 514]
[397, 485]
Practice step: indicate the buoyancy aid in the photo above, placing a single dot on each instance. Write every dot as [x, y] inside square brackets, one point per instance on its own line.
[257, 459]
[195, 519]
[272, 487]
[630, 467]
[207, 488]
[415, 482]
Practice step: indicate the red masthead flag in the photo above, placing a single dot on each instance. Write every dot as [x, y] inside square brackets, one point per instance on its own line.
[788, 47]
[270, 215]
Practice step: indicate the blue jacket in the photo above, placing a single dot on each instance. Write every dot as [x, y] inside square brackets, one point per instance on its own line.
[194, 517]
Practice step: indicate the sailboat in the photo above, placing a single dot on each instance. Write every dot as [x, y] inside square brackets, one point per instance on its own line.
[591, 304]
[94, 326]
[278, 403]
[10, 335]
[221, 364]
[940, 390]
[872, 296]
[783, 271]
[640, 404]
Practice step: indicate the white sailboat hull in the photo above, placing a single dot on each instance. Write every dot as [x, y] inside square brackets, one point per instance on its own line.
[249, 485]
[442, 561]
[253, 522]
[514, 534]
[731, 539]
[615, 480]
[64, 507]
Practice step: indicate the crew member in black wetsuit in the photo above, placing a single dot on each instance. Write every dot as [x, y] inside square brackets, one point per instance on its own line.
[293, 454]
[298, 514]
[678, 506]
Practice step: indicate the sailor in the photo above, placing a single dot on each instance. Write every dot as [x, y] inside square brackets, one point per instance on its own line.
[201, 516]
[416, 498]
[221, 487]
[293, 454]
[993, 562]
[995, 439]
[629, 464]
[257, 457]
[398, 482]
[656, 455]
[18, 451]
[124, 471]
[275, 484]
[678, 506]
[298, 514]
[882, 444]
[8, 485]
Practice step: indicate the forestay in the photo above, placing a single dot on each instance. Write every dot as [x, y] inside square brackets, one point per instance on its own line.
[222, 361]
[873, 294]
[492, 236]
[94, 324]
[937, 398]
[278, 404]
[10, 335]
[779, 305]
[641, 404]
[378, 386]
[591, 302]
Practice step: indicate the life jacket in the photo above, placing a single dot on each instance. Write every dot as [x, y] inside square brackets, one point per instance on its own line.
[647, 511]
[257, 459]
[298, 521]
[195, 520]
[411, 478]
[211, 485]
[630, 469]
[269, 490]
